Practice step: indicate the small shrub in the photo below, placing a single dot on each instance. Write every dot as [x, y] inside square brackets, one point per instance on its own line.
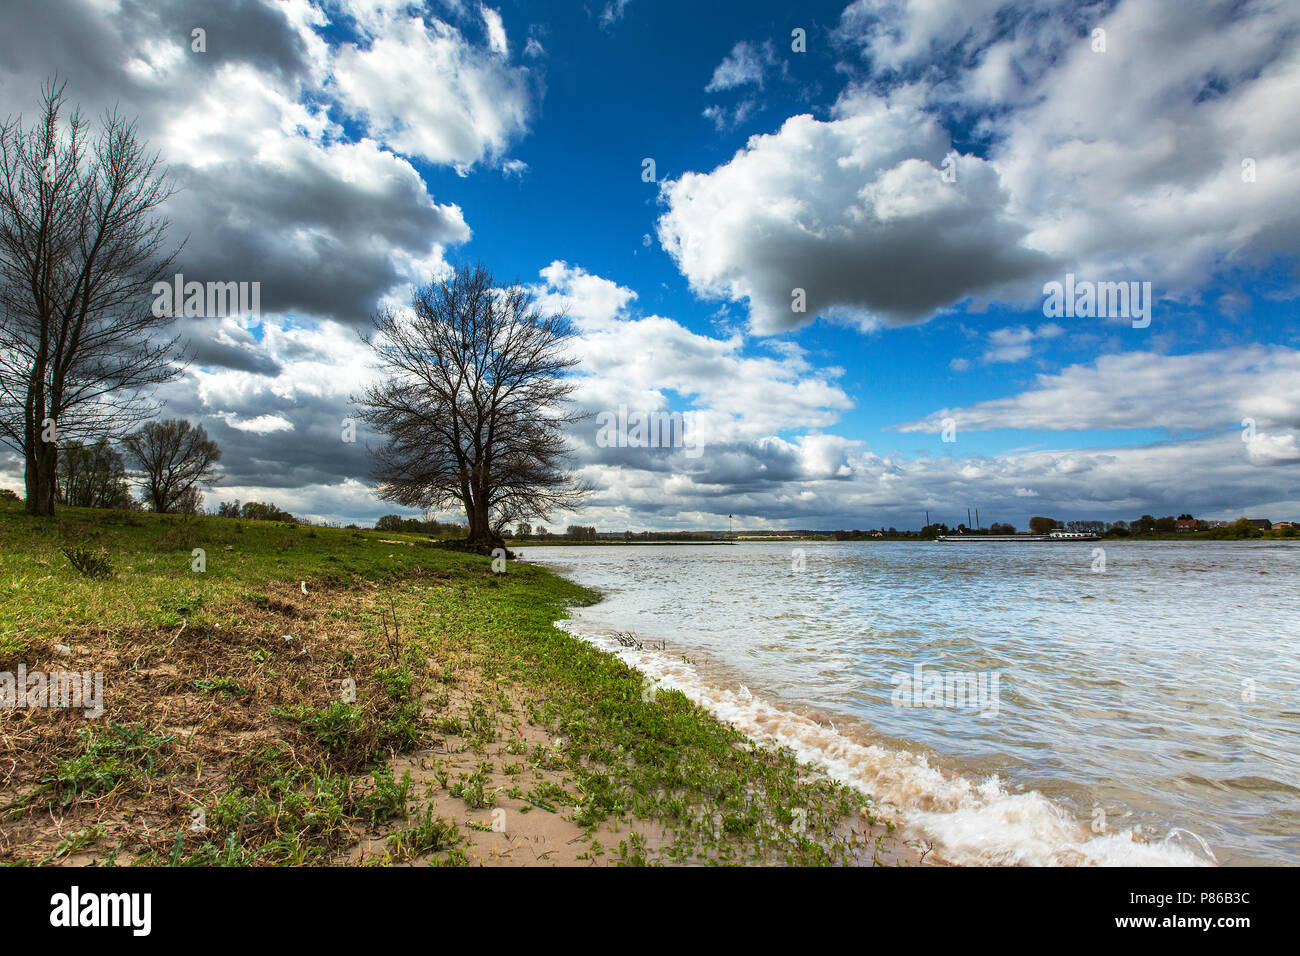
[471, 790]
[397, 681]
[430, 834]
[388, 799]
[91, 564]
[339, 727]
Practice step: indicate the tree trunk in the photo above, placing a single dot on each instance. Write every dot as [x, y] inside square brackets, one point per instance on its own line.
[51, 474]
[32, 482]
[41, 456]
[482, 526]
[39, 479]
[471, 518]
[480, 536]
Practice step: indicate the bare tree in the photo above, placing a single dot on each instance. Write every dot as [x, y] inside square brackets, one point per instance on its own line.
[173, 459]
[80, 250]
[93, 476]
[474, 404]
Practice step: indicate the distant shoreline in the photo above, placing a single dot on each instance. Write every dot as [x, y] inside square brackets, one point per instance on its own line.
[1028, 539]
[598, 544]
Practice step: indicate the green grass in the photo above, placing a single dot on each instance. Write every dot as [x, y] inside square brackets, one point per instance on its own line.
[626, 758]
[43, 597]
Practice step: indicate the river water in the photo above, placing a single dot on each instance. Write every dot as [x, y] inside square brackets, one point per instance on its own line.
[1046, 703]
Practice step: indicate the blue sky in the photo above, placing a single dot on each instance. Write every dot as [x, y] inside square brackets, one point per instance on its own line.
[338, 152]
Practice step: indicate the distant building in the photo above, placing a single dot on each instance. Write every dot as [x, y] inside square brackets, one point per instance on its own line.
[1185, 524]
[1284, 524]
[1263, 524]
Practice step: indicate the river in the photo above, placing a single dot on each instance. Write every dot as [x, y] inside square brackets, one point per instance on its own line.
[1108, 702]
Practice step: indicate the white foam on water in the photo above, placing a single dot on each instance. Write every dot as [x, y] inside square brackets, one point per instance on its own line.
[970, 822]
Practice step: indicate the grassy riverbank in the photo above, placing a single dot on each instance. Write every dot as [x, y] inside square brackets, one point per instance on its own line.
[336, 696]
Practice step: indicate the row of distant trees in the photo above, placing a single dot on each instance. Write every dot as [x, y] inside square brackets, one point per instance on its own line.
[1148, 524]
[574, 532]
[253, 511]
[170, 462]
[1143, 525]
[429, 526]
[444, 529]
[1041, 524]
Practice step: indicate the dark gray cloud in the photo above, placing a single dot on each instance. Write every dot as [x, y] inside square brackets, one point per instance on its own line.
[237, 31]
[321, 246]
[91, 47]
[209, 347]
[270, 189]
[310, 451]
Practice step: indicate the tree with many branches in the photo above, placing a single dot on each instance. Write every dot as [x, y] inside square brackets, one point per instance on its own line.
[174, 459]
[474, 404]
[81, 245]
